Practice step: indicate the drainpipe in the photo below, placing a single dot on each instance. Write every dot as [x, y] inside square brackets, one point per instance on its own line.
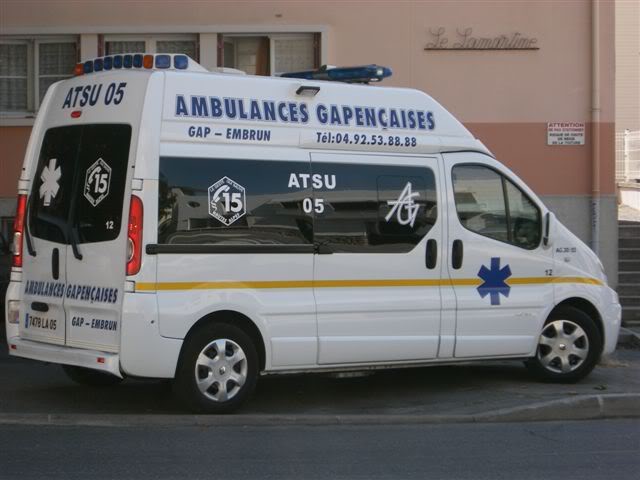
[595, 126]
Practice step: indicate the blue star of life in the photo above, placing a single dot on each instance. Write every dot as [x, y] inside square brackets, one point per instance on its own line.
[494, 281]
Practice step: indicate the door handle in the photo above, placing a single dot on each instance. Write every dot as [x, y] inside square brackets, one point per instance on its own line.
[40, 307]
[55, 264]
[457, 254]
[431, 257]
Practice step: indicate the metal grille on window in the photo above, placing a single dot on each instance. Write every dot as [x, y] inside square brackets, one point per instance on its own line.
[125, 47]
[293, 54]
[55, 62]
[187, 47]
[13, 77]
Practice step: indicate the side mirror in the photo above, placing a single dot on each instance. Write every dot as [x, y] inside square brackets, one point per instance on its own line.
[548, 229]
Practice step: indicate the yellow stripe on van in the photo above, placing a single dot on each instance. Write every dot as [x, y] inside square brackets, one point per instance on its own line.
[259, 285]
[587, 280]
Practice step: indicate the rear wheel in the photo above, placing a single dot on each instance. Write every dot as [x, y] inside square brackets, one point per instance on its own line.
[88, 376]
[218, 369]
[569, 347]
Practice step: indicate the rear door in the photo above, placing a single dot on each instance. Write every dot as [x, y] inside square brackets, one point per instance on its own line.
[96, 253]
[75, 270]
[44, 264]
[73, 279]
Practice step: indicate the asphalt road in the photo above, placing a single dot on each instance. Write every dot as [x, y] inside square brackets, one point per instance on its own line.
[598, 449]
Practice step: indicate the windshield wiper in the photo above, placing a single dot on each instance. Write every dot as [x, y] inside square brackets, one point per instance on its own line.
[73, 234]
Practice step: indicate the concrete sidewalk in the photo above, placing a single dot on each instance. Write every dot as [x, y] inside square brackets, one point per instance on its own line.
[35, 393]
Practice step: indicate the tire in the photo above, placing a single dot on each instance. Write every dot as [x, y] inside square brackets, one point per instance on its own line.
[569, 347]
[90, 377]
[208, 382]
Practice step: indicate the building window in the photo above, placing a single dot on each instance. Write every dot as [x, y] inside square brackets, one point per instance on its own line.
[186, 44]
[28, 66]
[269, 54]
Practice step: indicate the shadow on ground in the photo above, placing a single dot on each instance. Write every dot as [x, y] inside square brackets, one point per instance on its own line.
[33, 387]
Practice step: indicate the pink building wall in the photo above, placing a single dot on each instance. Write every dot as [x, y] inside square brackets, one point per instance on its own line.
[505, 97]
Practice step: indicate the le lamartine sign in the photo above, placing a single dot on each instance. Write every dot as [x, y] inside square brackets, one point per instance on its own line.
[466, 40]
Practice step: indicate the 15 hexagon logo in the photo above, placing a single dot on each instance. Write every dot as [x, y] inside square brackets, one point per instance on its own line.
[227, 201]
[97, 182]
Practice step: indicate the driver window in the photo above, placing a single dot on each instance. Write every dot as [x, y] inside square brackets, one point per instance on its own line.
[524, 218]
[480, 201]
[483, 208]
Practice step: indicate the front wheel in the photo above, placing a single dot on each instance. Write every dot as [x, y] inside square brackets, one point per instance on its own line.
[569, 347]
[218, 370]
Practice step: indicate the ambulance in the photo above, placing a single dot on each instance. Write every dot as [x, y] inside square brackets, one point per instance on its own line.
[210, 228]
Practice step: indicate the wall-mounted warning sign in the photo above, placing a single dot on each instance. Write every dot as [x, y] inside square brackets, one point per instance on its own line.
[565, 133]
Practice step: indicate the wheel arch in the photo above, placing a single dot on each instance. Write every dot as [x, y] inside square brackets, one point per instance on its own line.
[586, 307]
[230, 317]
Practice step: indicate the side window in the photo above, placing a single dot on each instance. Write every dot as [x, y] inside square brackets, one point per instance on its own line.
[524, 218]
[373, 208]
[490, 205]
[233, 202]
[480, 201]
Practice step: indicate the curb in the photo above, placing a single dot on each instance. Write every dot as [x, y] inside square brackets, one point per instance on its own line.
[584, 407]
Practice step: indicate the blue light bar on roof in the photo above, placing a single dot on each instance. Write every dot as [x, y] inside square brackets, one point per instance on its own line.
[362, 74]
[130, 60]
[163, 61]
[180, 62]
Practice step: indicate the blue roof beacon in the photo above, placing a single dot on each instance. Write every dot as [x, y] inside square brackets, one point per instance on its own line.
[361, 74]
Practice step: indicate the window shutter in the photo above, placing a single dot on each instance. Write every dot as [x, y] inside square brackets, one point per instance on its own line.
[293, 54]
[187, 47]
[136, 46]
[14, 77]
[55, 62]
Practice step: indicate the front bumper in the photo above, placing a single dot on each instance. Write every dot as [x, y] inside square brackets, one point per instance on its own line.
[45, 352]
[612, 319]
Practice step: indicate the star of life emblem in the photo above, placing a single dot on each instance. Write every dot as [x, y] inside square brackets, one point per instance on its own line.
[404, 208]
[50, 176]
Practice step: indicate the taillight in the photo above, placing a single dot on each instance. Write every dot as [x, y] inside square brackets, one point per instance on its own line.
[18, 230]
[134, 238]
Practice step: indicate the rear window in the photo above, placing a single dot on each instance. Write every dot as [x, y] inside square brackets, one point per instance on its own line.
[79, 183]
[206, 201]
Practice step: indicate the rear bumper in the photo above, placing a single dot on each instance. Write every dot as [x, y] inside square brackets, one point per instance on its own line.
[105, 362]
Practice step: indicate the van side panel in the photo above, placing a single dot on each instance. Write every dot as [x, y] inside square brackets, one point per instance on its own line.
[272, 289]
[143, 352]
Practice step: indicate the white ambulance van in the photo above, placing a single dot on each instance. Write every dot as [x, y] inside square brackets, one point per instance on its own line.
[209, 228]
